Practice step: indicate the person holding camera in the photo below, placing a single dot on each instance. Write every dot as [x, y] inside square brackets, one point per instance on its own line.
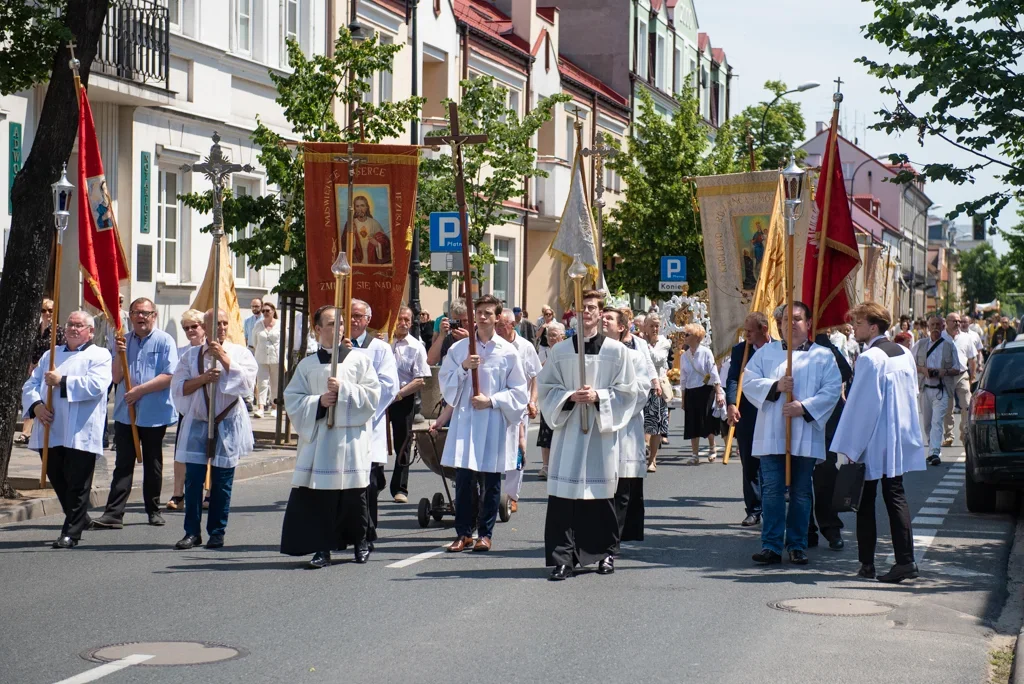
[938, 367]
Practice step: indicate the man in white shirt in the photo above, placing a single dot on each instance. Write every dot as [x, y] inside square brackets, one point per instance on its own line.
[249, 323]
[979, 345]
[968, 353]
[506, 327]
[411, 357]
[938, 364]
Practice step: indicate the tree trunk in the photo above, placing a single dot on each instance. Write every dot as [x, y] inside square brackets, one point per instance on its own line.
[32, 227]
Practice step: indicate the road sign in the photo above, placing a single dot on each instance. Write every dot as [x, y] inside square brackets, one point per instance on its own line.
[670, 286]
[673, 269]
[445, 261]
[445, 232]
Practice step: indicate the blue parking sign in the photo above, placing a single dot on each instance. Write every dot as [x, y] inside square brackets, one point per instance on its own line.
[445, 232]
[673, 269]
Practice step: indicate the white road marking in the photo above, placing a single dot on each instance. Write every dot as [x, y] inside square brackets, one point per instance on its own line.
[940, 499]
[922, 541]
[104, 670]
[933, 511]
[945, 491]
[417, 558]
[926, 520]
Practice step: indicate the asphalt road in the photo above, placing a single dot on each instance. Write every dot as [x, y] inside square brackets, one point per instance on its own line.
[685, 605]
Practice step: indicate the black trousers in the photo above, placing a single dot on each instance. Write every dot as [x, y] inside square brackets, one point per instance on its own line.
[751, 471]
[152, 439]
[401, 413]
[323, 520]
[377, 482]
[822, 511]
[629, 509]
[899, 521]
[579, 531]
[70, 473]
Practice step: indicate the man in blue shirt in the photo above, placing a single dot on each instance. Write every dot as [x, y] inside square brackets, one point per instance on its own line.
[152, 357]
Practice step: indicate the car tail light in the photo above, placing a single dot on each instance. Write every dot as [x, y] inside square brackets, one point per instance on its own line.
[983, 406]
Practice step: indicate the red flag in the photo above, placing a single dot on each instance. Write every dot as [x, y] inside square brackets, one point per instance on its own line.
[101, 256]
[841, 254]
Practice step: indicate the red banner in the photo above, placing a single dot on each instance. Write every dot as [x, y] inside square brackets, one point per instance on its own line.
[384, 197]
[100, 254]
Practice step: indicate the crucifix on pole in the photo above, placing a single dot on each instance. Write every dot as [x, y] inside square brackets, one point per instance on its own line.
[346, 236]
[456, 140]
[599, 153]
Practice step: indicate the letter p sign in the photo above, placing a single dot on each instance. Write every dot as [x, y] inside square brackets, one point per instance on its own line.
[445, 232]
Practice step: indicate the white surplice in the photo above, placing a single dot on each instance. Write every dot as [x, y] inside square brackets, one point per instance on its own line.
[484, 440]
[632, 451]
[338, 457]
[80, 411]
[234, 432]
[881, 425]
[585, 466]
[382, 358]
[817, 385]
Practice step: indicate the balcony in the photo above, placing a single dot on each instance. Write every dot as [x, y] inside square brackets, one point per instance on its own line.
[551, 192]
[134, 45]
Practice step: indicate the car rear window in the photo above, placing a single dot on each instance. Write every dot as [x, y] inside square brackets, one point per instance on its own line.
[1005, 371]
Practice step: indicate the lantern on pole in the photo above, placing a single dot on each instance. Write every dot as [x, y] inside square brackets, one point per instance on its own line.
[341, 270]
[577, 272]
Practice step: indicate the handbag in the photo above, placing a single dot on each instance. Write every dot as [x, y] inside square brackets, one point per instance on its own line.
[849, 487]
[666, 389]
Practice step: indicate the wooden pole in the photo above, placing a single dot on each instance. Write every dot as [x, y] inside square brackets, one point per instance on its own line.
[833, 143]
[739, 395]
[336, 344]
[582, 354]
[54, 322]
[790, 243]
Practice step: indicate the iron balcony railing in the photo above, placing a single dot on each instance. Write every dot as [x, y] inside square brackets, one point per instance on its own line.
[135, 42]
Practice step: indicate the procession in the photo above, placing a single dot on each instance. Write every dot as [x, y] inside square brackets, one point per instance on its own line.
[436, 340]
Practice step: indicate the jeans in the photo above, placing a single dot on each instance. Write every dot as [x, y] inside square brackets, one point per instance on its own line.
[221, 480]
[466, 483]
[934, 401]
[782, 529]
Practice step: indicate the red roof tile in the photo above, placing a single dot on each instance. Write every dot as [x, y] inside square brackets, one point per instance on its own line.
[718, 54]
[570, 70]
[702, 41]
[488, 19]
[547, 13]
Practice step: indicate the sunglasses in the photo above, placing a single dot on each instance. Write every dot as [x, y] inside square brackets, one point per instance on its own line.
[50, 311]
[190, 327]
[268, 311]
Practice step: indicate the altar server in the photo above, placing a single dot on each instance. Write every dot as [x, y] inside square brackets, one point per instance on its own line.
[881, 428]
[79, 380]
[484, 429]
[581, 525]
[327, 507]
[816, 385]
[629, 494]
[228, 372]
[506, 327]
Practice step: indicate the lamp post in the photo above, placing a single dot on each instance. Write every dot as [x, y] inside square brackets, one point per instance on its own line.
[799, 89]
[793, 183]
[358, 33]
[341, 270]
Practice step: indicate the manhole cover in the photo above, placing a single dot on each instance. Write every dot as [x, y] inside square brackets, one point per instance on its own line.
[834, 607]
[167, 652]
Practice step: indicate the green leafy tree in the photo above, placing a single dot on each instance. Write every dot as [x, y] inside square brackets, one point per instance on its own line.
[494, 171]
[30, 33]
[658, 216]
[982, 274]
[1013, 259]
[783, 131]
[306, 95]
[964, 56]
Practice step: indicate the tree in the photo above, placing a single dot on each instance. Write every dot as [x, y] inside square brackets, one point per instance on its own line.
[982, 274]
[783, 131]
[306, 95]
[659, 216]
[32, 232]
[965, 55]
[494, 171]
[1013, 260]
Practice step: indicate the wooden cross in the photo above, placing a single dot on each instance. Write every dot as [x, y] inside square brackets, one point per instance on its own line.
[346, 237]
[456, 140]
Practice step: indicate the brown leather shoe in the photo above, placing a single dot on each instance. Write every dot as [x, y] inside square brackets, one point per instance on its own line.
[483, 544]
[460, 544]
[514, 506]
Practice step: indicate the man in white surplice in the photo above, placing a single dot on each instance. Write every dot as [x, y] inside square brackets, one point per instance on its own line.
[816, 385]
[79, 384]
[484, 429]
[586, 415]
[327, 506]
[881, 428]
[506, 327]
[227, 370]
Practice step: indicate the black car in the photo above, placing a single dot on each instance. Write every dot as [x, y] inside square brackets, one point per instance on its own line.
[995, 429]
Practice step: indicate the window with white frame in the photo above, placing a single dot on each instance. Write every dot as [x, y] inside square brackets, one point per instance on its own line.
[659, 65]
[642, 47]
[174, 13]
[168, 226]
[693, 71]
[243, 274]
[385, 78]
[513, 101]
[677, 70]
[291, 13]
[570, 138]
[501, 278]
[243, 26]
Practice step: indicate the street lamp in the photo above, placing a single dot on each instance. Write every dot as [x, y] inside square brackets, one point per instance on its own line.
[799, 89]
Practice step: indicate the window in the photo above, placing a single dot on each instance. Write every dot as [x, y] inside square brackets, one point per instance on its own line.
[677, 70]
[242, 271]
[659, 63]
[384, 93]
[501, 280]
[244, 26]
[513, 101]
[168, 225]
[174, 13]
[641, 50]
[693, 70]
[290, 15]
[570, 138]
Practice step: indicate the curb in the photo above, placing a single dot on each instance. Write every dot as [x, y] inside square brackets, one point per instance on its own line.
[1014, 576]
[47, 506]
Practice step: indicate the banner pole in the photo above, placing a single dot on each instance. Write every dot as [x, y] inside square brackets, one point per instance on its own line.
[54, 322]
[833, 151]
[739, 396]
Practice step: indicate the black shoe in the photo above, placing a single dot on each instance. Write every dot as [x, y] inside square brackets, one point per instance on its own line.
[216, 541]
[606, 565]
[189, 541]
[899, 572]
[812, 541]
[561, 572]
[798, 557]
[836, 544]
[867, 571]
[934, 460]
[751, 520]
[321, 559]
[156, 519]
[65, 542]
[105, 523]
[767, 557]
[370, 546]
[362, 552]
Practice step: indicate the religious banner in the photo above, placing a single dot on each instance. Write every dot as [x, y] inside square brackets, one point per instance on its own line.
[576, 237]
[228, 296]
[384, 202]
[744, 237]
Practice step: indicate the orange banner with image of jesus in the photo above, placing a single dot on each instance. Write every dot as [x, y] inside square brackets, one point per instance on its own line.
[384, 203]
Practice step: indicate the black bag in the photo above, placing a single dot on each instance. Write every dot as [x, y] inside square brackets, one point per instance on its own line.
[849, 486]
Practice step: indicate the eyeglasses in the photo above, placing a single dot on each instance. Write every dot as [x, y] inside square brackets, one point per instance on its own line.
[188, 328]
[76, 326]
[49, 311]
[268, 311]
[358, 317]
[144, 314]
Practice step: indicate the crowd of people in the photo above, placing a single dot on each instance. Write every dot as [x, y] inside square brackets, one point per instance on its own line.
[599, 434]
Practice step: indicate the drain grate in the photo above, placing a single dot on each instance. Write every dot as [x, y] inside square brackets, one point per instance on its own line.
[167, 653]
[833, 607]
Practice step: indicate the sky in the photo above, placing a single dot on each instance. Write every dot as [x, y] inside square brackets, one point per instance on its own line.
[818, 40]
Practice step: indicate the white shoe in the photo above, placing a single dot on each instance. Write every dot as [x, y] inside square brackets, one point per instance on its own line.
[401, 498]
[257, 414]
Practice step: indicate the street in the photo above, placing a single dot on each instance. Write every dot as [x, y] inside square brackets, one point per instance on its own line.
[687, 604]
